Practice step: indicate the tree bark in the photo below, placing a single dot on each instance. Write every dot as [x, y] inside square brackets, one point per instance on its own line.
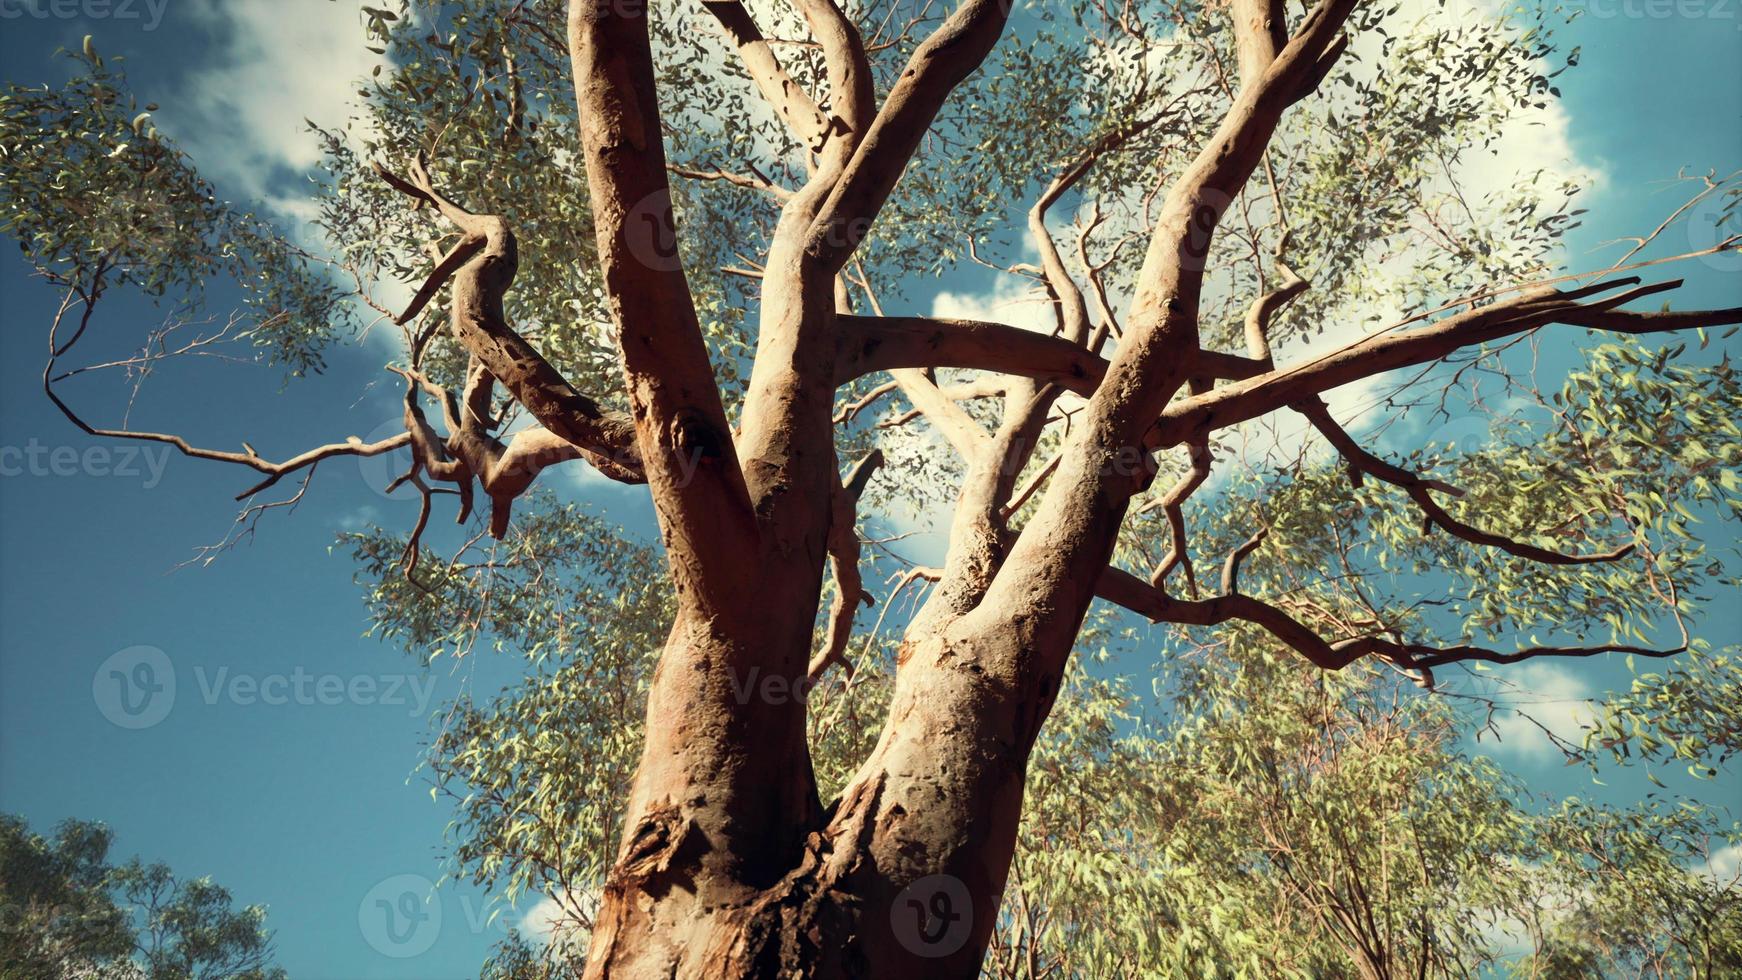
[902, 876]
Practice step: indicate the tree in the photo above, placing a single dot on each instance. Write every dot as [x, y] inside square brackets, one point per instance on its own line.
[1210, 152]
[70, 915]
[1250, 819]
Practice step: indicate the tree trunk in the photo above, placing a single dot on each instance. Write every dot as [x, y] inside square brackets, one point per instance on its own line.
[903, 876]
[730, 865]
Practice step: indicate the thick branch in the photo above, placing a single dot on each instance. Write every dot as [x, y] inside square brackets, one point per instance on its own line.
[482, 268]
[1391, 349]
[937, 66]
[851, 90]
[1260, 32]
[788, 99]
[1074, 529]
[858, 334]
[964, 434]
[684, 439]
[871, 344]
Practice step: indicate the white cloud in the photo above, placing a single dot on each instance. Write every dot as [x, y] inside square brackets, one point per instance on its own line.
[1554, 696]
[1012, 300]
[358, 518]
[244, 115]
[1724, 865]
[282, 63]
[1511, 938]
[560, 921]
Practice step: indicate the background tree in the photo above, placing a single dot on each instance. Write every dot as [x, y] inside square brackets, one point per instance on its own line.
[70, 915]
[1237, 176]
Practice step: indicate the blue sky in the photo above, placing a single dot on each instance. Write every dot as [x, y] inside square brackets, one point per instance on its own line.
[312, 806]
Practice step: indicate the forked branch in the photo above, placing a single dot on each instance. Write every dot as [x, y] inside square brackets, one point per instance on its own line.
[482, 267]
[273, 470]
[844, 564]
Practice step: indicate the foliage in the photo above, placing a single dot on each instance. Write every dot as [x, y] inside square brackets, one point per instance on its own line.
[59, 914]
[97, 199]
[1248, 818]
[70, 914]
[1686, 714]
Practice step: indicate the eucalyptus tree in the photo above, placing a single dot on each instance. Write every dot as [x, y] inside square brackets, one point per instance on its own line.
[714, 206]
[1246, 819]
[72, 915]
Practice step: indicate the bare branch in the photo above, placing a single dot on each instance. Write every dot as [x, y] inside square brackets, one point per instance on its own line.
[750, 181]
[1265, 308]
[789, 100]
[1390, 349]
[1130, 592]
[869, 344]
[1421, 491]
[1172, 504]
[1023, 495]
[844, 563]
[352, 446]
[964, 434]
[248, 521]
[1231, 568]
[482, 268]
